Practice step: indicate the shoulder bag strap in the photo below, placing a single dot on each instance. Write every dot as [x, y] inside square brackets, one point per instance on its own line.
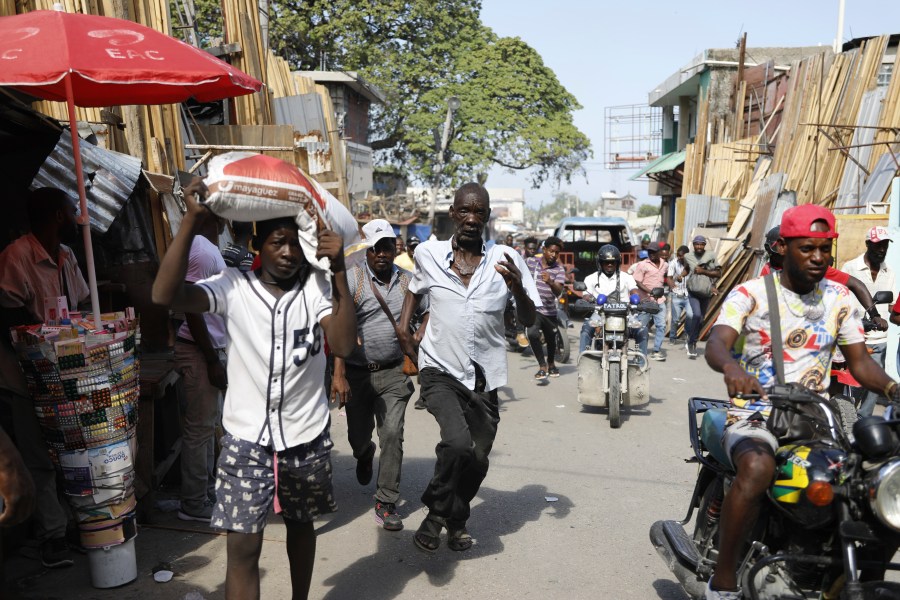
[384, 306]
[775, 329]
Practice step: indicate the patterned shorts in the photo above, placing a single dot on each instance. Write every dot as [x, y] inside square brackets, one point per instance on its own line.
[245, 483]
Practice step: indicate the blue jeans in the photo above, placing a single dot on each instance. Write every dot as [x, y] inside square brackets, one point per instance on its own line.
[587, 334]
[659, 321]
[680, 305]
[868, 403]
[699, 304]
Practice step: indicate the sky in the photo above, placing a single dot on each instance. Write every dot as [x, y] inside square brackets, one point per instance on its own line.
[613, 53]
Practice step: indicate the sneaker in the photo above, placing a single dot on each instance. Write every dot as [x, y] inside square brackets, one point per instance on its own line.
[692, 350]
[712, 594]
[522, 340]
[55, 554]
[541, 375]
[364, 466]
[657, 356]
[553, 372]
[203, 514]
[386, 516]
[419, 404]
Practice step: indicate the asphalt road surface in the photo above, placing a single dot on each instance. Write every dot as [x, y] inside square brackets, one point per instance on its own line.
[564, 512]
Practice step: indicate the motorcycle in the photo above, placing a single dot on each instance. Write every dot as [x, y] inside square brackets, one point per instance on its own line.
[830, 522]
[612, 373]
[563, 345]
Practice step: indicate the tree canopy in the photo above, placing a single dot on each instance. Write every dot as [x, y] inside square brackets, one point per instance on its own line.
[514, 112]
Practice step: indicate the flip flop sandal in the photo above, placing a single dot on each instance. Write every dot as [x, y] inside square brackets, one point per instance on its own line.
[428, 536]
[459, 539]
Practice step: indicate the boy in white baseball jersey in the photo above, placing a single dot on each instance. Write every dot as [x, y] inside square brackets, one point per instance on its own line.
[276, 413]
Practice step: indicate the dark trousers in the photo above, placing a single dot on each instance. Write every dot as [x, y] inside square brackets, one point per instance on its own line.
[699, 306]
[378, 399]
[468, 422]
[547, 325]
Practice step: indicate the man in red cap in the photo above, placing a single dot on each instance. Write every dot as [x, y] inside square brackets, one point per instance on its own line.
[816, 316]
[872, 270]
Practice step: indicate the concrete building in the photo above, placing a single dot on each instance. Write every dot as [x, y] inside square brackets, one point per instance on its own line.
[352, 97]
[612, 204]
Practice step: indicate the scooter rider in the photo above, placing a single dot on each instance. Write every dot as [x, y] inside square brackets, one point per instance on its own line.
[816, 316]
[615, 285]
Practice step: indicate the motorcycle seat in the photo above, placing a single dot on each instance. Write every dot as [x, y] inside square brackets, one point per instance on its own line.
[712, 427]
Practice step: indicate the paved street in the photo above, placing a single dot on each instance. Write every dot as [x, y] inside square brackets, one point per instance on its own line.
[563, 513]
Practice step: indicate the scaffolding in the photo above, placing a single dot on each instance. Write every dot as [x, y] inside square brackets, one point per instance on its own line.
[633, 135]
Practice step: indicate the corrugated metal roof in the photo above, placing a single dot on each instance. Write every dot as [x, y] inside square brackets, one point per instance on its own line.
[666, 162]
[303, 111]
[110, 178]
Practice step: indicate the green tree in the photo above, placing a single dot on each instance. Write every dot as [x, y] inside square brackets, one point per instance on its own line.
[647, 210]
[515, 114]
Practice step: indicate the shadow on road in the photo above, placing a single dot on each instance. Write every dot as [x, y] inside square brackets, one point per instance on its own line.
[499, 514]
[669, 590]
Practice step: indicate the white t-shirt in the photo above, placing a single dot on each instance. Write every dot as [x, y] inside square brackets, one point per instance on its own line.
[276, 358]
[812, 327]
[205, 261]
[884, 283]
[598, 283]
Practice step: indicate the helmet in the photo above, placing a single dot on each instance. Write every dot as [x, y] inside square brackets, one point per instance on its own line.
[609, 252]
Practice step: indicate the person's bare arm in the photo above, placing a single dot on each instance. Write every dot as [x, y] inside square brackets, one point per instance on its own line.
[340, 387]
[340, 325]
[525, 311]
[718, 356]
[895, 318]
[169, 287]
[859, 289]
[864, 369]
[16, 485]
[408, 342]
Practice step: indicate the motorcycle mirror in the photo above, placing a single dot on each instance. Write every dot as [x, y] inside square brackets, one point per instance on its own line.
[579, 286]
[883, 297]
[634, 299]
[657, 292]
[873, 436]
[601, 299]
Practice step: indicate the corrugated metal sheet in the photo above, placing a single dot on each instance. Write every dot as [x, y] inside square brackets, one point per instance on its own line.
[879, 181]
[700, 209]
[854, 178]
[110, 178]
[766, 200]
[303, 111]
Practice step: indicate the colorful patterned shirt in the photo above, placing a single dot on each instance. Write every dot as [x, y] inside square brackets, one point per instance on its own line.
[557, 273]
[812, 325]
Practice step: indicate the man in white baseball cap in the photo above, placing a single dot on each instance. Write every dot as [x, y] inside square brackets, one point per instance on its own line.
[871, 268]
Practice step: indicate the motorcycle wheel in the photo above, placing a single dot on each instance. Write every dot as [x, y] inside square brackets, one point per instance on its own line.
[615, 397]
[563, 346]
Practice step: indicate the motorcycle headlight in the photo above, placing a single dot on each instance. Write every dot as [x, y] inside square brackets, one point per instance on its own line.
[615, 323]
[884, 493]
[597, 320]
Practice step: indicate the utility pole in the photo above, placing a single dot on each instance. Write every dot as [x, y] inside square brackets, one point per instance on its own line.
[453, 104]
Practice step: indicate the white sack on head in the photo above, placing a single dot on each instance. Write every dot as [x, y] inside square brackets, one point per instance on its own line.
[246, 186]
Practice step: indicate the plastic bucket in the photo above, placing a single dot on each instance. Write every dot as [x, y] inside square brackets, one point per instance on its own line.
[113, 566]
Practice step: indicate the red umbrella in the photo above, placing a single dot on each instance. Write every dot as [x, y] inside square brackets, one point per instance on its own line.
[88, 60]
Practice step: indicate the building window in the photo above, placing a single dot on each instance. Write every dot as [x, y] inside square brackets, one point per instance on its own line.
[884, 74]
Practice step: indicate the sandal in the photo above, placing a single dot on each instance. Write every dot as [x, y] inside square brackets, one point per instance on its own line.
[540, 375]
[428, 535]
[458, 538]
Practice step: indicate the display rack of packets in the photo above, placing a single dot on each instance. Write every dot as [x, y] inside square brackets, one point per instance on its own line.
[84, 381]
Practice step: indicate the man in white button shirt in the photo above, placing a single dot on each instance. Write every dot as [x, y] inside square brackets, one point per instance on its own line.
[276, 415]
[462, 358]
[872, 270]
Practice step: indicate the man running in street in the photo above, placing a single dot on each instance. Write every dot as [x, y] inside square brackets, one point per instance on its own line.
[704, 270]
[550, 276]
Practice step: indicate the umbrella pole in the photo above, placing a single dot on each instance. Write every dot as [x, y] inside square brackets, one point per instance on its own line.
[85, 220]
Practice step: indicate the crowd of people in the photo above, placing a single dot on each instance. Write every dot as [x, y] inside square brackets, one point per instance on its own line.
[258, 331]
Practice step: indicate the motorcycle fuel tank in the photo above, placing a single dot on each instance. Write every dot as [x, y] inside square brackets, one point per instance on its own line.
[796, 467]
